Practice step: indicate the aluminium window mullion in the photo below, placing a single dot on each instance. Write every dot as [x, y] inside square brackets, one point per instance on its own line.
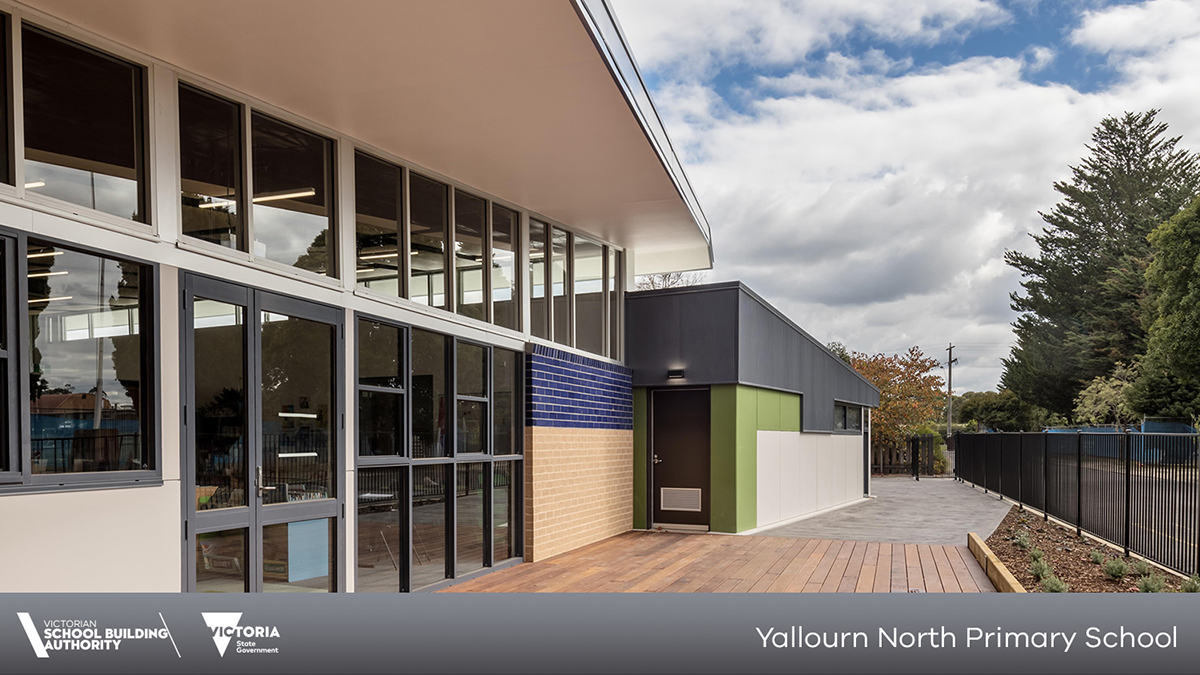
[246, 166]
[605, 304]
[450, 260]
[16, 90]
[404, 238]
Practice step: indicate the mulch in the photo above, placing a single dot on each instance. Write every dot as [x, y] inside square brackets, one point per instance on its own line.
[1069, 556]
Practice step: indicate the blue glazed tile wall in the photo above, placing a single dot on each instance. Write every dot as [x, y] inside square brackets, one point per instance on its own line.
[569, 390]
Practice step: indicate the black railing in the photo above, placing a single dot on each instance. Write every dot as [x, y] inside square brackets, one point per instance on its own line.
[1138, 491]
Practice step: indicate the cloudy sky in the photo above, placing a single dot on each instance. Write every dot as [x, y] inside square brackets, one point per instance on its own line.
[864, 164]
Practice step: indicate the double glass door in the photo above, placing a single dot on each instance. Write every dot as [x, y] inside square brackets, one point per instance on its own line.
[262, 427]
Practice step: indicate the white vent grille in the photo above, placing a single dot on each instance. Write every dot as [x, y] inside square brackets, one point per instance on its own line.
[680, 499]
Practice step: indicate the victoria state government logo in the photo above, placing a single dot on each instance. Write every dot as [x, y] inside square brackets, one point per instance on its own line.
[226, 627]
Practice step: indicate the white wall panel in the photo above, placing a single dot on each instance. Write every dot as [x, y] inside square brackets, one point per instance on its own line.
[104, 541]
[799, 473]
[791, 476]
[768, 477]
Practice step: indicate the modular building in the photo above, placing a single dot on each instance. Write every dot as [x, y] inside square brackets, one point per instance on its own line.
[742, 419]
[321, 296]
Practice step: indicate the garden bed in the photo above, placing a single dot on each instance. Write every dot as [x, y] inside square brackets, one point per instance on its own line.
[1070, 557]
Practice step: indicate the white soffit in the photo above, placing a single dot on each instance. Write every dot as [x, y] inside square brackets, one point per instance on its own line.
[512, 97]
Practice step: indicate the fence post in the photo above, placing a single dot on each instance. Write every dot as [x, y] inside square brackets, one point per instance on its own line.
[1021, 472]
[985, 454]
[1128, 464]
[914, 450]
[1079, 483]
[1045, 476]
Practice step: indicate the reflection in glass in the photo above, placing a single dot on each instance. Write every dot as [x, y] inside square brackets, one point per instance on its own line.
[428, 213]
[470, 221]
[210, 165]
[472, 427]
[468, 519]
[559, 251]
[538, 325]
[378, 199]
[381, 549]
[298, 557]
[219, 346]
[429, 394]
[505, 226]
[380, 355]
[380, 423]
[297, 408]
[504, 510]
[472, 370]
[854, 418]
[221, 562]
[614, 304]
[589, 295]
[429, 523]
[292, 175]
[86, 396]
[83, 125]
[506, 388]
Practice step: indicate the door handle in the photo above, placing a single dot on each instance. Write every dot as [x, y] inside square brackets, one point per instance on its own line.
[258, 481]
[657, 460]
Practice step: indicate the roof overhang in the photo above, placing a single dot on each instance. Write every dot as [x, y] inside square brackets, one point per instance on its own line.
[539, 103]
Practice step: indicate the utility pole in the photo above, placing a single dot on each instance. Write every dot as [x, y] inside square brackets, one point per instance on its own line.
[950, 361]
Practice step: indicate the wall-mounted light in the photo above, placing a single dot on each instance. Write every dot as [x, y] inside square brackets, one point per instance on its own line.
[675, 374]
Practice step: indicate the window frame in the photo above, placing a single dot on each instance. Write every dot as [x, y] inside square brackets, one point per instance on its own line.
[406, 463]
[403, 241]
[18, 19]
[841, 409]
[23, 480]
[243, 177]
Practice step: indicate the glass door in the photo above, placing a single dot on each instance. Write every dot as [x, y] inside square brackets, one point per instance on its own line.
[262, 419]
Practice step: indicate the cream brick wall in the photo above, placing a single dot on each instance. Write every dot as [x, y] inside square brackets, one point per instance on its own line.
[578, 488]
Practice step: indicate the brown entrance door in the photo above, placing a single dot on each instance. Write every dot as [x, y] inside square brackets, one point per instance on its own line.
[679, 447]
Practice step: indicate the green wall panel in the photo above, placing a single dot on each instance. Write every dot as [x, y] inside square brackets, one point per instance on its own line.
[768, 409]
[747, 458]
[789, 412]
[640, 424]
[723, 488]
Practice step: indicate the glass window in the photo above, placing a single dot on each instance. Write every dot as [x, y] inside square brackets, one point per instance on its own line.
[839, 417]
[88, 408]
[429, 394]
[380, 408]
[221, 562]
[614, 304]
[471, 430]
[854, 418]
[504, 511]
[210, 166]
[298, 557]
[293, 171]
[428, 214]
[469, 522]
[538, 309]
[506, 398]
[84, 126]
[506, 224]
[297, 408]
[472, 370]
[219, 353]
[378, 201]
[381, 529]
[5, 96]
[559, 260]
[470, 221]
[429, 523]
[589, 295]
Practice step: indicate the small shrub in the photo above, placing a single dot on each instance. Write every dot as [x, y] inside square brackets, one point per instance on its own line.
[1142, 568]
[1040, 569]
[1036, 554]
[1022, 539]
[1116, 569]
[1192, 585]
[1153, 583]
[1053, 584]
[1097, 557]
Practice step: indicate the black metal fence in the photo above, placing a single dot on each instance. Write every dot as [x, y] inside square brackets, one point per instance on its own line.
[1138, 491]
[915, 457]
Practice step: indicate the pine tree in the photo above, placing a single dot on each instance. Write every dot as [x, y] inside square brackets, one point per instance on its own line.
[1085, 292]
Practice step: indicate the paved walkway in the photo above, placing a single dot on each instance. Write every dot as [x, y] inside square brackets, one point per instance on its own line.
[663, 562]
[937, 511]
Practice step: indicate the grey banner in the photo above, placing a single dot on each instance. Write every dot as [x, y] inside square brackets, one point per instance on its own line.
[598, 633]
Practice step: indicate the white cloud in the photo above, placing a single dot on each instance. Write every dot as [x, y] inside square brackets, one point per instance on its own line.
[873, 201]
[1151, 26]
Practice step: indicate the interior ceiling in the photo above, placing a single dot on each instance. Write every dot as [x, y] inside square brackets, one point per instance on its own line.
[510, 97]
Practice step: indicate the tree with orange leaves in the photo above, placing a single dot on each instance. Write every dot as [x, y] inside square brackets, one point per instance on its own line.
[910, 395]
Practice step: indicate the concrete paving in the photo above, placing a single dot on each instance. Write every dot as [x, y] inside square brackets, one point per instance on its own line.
[935, 511]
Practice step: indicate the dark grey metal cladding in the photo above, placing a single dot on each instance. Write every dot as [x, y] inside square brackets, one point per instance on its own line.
[693, 329]
[726, 333]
